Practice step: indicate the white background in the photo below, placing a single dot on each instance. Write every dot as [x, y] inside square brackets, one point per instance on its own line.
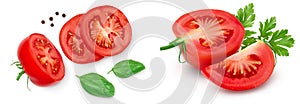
[20, 18]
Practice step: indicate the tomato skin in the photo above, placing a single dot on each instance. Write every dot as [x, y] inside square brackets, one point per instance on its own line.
[27, 56]
[101, 12]
[200, 56]
[72, 27]
[266, 56]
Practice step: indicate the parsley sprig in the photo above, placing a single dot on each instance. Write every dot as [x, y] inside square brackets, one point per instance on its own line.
[247, 17]
[278, 40]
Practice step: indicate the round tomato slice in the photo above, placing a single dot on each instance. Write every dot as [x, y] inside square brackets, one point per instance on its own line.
[72, 44]
[244, 70]
[207, 36]
[41, 61]
[105, 30]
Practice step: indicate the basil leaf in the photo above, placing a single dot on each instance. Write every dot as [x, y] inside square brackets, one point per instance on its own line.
[96, 85]
[127, 68]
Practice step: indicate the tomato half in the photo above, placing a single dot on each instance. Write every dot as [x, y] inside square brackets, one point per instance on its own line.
[41, 61]
[244, 70]
[209, 36]
[105, 30]
[72, 44]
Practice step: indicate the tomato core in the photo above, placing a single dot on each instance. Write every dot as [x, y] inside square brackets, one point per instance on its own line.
[75, 43]
[206, 29]
[104, 35]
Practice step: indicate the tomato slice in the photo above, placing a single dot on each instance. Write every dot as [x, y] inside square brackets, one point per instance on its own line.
[41, 61]
[244, 70]
[72, 44]
[209, 36]
[105, 30]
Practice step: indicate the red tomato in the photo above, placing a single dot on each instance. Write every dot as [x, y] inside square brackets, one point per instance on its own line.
[105, 30]
[40, 60]
[72, 44]
[209, 36]
[244, 70]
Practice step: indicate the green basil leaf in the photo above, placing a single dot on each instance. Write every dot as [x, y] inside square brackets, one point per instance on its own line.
[127, 68]
[96, 85]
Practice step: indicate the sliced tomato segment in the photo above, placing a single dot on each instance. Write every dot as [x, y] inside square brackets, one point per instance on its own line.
[72, 44]
[105, 30]
[207, 36]
[244, 70]
[104, 36]
[41, 61]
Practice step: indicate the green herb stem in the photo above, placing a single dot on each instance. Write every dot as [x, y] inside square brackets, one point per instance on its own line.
[109, 72]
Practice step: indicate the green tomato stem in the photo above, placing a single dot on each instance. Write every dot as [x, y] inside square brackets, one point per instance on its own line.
[19, 66]
[172, 44]
[20, 75]
[183, 48]
[14, 63]
[27, 83]
[177, 42]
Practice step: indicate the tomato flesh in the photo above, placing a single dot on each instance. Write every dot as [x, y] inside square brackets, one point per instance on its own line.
[104, 36]
[72, 43]
[244, 70]
[41, 61]
[44, 55]
[105, 30]
[211, 36]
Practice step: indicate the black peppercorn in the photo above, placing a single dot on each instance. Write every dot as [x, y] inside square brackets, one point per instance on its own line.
[52, 25]
[43, 22]
[63, 15]
[56, 13]
[51, 18]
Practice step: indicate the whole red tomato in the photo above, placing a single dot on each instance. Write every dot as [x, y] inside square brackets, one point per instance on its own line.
[207, 36]
[40, 60]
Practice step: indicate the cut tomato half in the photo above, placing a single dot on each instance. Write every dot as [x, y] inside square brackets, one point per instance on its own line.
[244, 70]
[207, 36]
[40, 60]
[105, 30]
[72, 44]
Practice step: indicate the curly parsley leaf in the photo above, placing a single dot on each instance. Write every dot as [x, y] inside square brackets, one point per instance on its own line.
[280, 41]
[246, 15]
[248, 39]
[266, 27]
